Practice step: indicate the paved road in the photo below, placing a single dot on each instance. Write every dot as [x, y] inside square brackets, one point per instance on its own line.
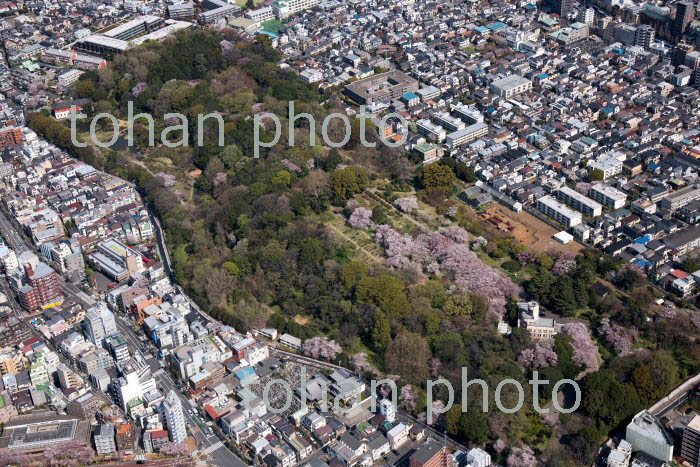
[13, 238]
[210, 445]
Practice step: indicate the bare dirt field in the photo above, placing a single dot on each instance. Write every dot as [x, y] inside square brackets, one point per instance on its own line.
[529, 230]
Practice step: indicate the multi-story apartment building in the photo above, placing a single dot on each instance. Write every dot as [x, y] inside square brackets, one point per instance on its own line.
[39, 288]
[431, 131]
[174, 418]
[680, 198]
[99, 323]
[580, 202]
[467, 135]
[10, 135]
[558, 211]
[104, 439]
[448, 122]
[468, 114]
[608, 196]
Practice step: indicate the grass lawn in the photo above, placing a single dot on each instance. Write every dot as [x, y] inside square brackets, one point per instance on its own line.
[2, 402]
[274, 26]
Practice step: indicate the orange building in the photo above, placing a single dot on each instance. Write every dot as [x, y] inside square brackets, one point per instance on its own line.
[10, 135]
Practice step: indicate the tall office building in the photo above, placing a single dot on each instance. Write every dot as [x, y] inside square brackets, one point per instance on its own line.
[563, 7]
[680, 51]
[100, 323]
[644, 36]
[174, 418]
[690, 449]
[685, 12]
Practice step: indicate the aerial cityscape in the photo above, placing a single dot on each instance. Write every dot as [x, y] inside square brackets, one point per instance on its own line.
[319, 233]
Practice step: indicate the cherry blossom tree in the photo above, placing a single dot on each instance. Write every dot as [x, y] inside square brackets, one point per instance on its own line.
[407, 204]
[667, 312]
[622, 339]
[174, 449]
[321, 347]
[14, 459]
[452, 212]
[407, 398]
[585, 351]
[540, 356]
[564, 264]
[291, 166]
[455, 233]
[69, 455]
[522, 456]
[360, 362]
[583, 187]
[361, 218]
[138, 89]
[526, 257]
[448, 249]
[434, 364]
[499, 446]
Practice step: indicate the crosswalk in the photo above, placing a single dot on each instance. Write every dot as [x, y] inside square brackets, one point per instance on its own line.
[159, 372]
[213, 447]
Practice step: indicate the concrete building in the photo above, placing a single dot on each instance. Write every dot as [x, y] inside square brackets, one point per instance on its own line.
[383, 87]
[448, 122]
[430, 130]
[285, 8]
[558, 211]
[580, 202]
[117, 260]
[134, 382]
[680, 198]
[608, 196]
[104, 439]
[467, 135]
[529, 319]
[387, 409]
[644, 36]
[174, 418]
[511, 86]
[180, 10]
[39, 288]
[67, 378]
[100, 323]
[646, 434]
[431, 454]
[685, 12]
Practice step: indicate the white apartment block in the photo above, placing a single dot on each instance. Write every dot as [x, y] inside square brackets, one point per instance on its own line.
[580, 202]
[448, 122]
[468, 114]
[559, 211]
[431, 130]
[680, 198]
[609, 196]
[467, 135]
[610, 164]
[174, 418]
